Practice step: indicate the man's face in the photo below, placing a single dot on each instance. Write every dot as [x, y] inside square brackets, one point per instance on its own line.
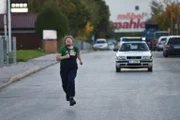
[69, 42]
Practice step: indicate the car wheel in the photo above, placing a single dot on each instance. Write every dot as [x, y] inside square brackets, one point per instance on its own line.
[165, 54]
[118, 69]
[150, 69]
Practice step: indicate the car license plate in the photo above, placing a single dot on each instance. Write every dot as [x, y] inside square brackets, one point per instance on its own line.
[134, 61]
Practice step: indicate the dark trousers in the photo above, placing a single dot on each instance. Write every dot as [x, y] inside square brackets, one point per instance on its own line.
[68, 80]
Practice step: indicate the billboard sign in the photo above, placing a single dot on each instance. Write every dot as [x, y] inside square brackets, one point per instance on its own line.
[130, 22]
[49, 34]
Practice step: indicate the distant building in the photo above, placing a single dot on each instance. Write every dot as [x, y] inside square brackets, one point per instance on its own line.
[23, 25]
[23, 28]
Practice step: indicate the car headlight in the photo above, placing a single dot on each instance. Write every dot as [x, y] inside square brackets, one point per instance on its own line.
[120, 57]
[146, 57]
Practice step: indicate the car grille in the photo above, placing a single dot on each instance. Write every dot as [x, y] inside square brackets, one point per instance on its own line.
[133, 57]
[136, 64]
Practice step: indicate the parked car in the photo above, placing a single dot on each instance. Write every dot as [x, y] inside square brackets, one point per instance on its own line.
[111, 46]
[161, 42]
[172, 46]
[101, 44]
[117, 46]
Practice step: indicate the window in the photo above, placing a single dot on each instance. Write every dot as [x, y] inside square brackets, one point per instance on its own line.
[134, 47]
[163, 39]
[100, 42]
[174, 41]
[136, 7]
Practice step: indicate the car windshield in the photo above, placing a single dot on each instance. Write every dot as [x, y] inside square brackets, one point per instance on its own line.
[174, 41]
[100, 42]
[163, 39]
[134, 47]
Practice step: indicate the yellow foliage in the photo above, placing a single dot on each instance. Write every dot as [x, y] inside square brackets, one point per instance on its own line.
[169, 16]
[89, 28]
[83, 34]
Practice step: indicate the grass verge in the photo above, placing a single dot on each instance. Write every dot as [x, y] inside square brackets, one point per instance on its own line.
[25, 55]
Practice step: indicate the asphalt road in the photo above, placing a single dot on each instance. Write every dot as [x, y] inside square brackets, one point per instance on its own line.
[101, 93]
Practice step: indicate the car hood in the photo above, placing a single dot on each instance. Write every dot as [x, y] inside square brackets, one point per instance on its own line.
[133, 53]
[99, 45]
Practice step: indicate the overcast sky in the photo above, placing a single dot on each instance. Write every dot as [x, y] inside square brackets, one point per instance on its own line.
[124, 6]
[2, 6]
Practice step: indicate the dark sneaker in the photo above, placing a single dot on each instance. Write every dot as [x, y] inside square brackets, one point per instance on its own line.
[67, 97]
[72, 102]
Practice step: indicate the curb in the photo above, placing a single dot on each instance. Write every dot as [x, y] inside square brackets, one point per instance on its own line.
[25, 74]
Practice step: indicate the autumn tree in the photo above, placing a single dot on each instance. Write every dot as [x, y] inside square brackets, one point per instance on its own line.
[168, 18]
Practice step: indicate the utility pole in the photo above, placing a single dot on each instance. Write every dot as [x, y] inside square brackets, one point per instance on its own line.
[9, 25]
[171, 23]
[6, 39]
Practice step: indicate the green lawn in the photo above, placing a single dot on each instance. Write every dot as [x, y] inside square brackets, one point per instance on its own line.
[25, 55]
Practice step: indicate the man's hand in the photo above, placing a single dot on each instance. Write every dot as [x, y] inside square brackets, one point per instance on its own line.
[58, 57]
[80, 60]
[67, 56]
[81, 63]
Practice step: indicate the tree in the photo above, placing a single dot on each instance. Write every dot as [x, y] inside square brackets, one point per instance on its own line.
[169, 17]
[110, 31]
[51, 18]
[93, 9]
[156, 8]
[66, 6]
[75, 11]
[81, 15]
[79, 18]
[160, 15]
[104, 14]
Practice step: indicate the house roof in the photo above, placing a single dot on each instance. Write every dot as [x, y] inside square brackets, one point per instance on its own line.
[20, 21]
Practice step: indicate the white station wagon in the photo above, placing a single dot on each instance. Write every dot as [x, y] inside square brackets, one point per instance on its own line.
[101, 44]
[133, 53]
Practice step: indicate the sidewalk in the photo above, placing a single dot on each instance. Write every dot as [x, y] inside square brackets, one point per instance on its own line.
[14, 72]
